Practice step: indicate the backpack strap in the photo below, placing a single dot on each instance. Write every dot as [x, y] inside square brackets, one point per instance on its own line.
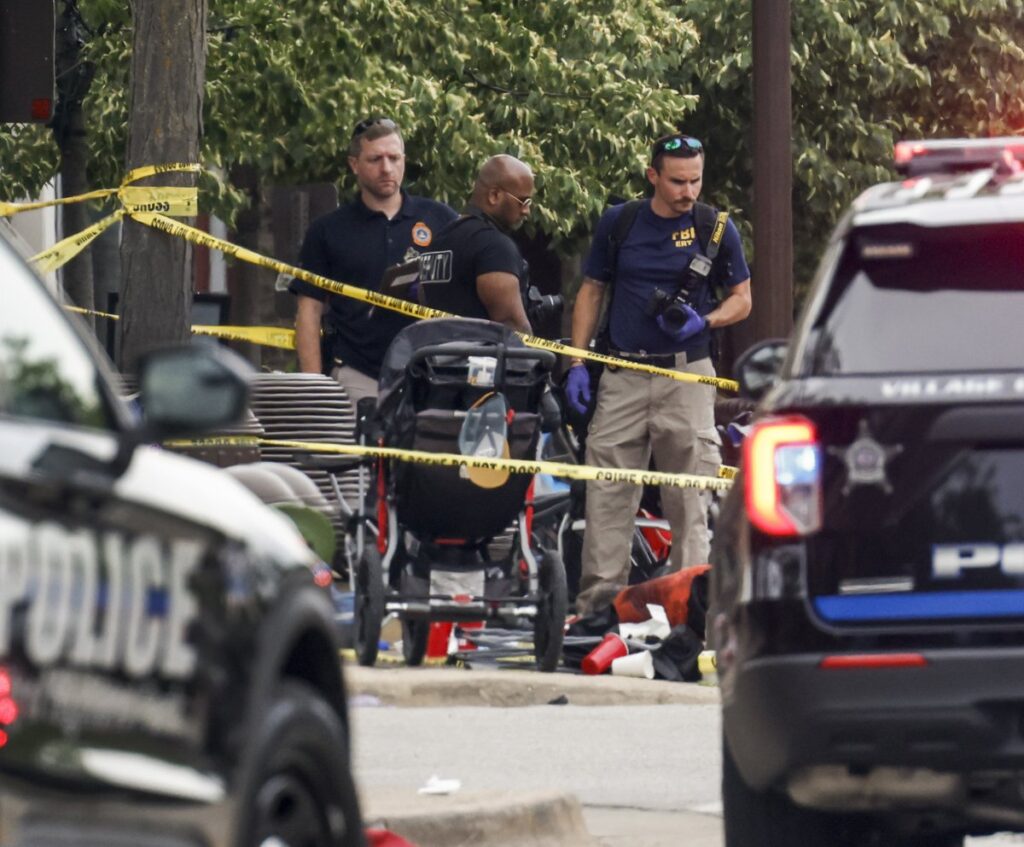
[617, 237]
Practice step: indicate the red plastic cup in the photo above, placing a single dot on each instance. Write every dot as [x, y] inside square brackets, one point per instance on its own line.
[437, 639]
[601, 657]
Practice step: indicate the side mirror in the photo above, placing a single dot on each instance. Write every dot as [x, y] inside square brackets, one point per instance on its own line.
[191, 389]
[757, 368]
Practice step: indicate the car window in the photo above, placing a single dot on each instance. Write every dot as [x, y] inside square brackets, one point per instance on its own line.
[46, 371]
[915, 299]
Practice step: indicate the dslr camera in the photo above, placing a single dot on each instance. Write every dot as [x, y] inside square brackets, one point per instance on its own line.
[542, 306]
[670, 304]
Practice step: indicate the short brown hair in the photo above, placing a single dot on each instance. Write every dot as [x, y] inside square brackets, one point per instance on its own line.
[370, 129]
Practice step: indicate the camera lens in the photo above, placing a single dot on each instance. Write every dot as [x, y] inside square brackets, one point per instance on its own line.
[540, 306]
[674, 314]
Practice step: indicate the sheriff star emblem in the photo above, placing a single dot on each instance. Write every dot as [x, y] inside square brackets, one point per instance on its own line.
[866, 460]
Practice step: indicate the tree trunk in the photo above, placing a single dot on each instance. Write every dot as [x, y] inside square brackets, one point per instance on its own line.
[772, 267]
[164, 125]
[252, 285]
[73, 80]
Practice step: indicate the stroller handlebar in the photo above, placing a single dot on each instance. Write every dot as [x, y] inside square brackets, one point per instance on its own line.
[499, 351]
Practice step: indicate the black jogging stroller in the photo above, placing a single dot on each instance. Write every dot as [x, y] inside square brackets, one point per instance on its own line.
[454, 543]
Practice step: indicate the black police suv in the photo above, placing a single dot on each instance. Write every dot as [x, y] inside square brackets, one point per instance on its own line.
[169, 669]
[868, 566]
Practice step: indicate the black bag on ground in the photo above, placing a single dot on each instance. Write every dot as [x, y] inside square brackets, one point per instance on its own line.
[675, 659]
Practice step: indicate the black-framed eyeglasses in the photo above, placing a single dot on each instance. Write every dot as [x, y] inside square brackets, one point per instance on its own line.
[685, 145]
[368, 123]
[523, 202]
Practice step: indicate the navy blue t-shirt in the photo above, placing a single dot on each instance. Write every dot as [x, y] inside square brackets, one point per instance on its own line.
[354, 244]
[656, 253]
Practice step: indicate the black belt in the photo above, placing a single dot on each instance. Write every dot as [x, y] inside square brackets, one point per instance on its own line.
[665, 360]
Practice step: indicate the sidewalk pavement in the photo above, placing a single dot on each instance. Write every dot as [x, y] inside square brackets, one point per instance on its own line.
[489, 818]
[442, 686]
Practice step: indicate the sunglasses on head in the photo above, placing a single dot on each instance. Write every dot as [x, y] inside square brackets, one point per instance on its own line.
[686, 146]
[367, 123]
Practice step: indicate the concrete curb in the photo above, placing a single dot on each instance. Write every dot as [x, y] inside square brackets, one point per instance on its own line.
[427, 686]
[481, 819]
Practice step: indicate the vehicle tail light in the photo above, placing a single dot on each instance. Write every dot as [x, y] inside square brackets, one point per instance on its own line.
[782, 471]
[8, 705]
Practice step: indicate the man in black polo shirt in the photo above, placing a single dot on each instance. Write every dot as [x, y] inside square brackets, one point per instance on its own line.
[354, 244]
[474, 268]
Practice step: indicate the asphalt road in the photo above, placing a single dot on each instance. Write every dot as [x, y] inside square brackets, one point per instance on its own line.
[646, 775]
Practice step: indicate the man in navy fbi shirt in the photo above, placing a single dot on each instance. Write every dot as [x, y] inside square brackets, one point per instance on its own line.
[382, 226]
[637, 413]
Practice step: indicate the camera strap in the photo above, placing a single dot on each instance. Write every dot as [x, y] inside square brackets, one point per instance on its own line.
[707, 221]
[713, 226]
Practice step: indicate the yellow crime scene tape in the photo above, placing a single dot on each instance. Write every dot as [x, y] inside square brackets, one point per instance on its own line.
[9, 209]
[80, 311]
[268, 336]
[395, 304]
[64, 251]
[151, 205]
[519, 466]
[168, 200]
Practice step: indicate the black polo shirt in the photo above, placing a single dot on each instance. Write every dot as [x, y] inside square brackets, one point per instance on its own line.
[354, 244]
[465, 249]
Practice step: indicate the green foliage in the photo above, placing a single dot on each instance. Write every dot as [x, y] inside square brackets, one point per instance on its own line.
[866, 73]
[576, 89]
[28, 160]
[106, 104]
[976, 71]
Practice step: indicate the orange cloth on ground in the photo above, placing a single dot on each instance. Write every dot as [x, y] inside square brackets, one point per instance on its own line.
[671, 592]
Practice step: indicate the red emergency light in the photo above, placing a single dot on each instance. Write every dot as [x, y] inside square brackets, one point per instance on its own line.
[955, 155]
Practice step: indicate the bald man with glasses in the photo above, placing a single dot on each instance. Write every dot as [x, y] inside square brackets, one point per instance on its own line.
[474, 268]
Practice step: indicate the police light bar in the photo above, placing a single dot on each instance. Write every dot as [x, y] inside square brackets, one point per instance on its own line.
[953, 155]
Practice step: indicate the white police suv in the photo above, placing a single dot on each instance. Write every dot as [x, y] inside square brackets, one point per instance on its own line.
[868, 566]
[169, 670]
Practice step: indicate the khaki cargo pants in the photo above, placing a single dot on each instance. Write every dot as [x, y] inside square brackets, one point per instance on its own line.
[639, 414]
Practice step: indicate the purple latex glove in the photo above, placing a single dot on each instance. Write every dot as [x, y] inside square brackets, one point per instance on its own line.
[693, 324]
[577, 388]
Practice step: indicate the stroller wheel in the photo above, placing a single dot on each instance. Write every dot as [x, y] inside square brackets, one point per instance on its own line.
[369, 606]
[414, 641]
[552, 603]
